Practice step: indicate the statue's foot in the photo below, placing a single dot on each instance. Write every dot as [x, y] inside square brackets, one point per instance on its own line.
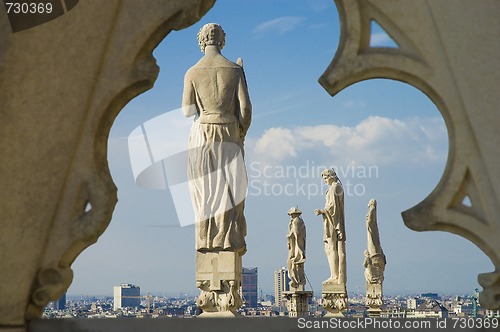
[331, 280]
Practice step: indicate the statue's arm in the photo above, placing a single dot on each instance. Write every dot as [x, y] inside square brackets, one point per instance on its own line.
[188, 98]
[245, 112]
[370, 216]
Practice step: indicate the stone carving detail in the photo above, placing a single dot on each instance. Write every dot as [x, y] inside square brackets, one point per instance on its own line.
[56, 193]
[298, 303]
[458, 72]
[334, 302]
[51, 283]
[374, 300]
[227, 299]
[218, 276]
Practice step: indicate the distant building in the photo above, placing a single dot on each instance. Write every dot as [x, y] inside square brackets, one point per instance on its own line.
[281, 284]
[269, 298]
[127, 295]
[431, 309]
[249, 289]
[492, 313]
[413, 303]
[464, 309]
[59, 304]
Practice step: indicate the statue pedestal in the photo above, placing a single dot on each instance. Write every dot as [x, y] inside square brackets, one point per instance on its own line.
[334, 299]
[298, 303]
[374, 299]
[374, 312]
[218, 276]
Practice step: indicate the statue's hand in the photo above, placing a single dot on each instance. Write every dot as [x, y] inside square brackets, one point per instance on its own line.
[318, 212]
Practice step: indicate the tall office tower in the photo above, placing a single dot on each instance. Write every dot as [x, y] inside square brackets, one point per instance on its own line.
[127, 295]
[60, 304]
[281, 284]
[249, 289]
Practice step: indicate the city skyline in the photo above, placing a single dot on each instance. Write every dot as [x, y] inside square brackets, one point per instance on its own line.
[426, 305]
[380, 125]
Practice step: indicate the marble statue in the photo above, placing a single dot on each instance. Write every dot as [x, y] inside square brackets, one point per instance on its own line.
[297, 297]
[216, 94]
[374, 257]
[374, 262]
[296, 249]
[334, 290]
[334, 228]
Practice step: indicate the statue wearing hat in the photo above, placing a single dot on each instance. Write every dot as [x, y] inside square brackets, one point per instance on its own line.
[296, 249]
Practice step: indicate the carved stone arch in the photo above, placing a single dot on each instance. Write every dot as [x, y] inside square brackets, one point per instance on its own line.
[448, 69]
[62, 84]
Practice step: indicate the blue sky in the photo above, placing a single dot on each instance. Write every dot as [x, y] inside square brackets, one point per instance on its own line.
[380, 125]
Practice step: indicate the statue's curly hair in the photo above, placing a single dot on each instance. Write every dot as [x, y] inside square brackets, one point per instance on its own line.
[330, 173]
[211, 34]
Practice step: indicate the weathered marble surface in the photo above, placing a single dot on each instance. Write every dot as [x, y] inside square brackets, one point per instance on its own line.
[298, 303]
[62, 84]
[334, 299]
[449, 50]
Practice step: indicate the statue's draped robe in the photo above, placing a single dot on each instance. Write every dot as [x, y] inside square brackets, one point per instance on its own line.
[376, 260]
[216, 169]
[296, 251]
[334, 225]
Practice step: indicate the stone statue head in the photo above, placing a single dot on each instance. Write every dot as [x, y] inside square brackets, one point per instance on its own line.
[329, 174]
[294, 210]
[211, 34]
[372, 203]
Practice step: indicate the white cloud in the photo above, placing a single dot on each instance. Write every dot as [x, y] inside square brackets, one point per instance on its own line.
[279, 25]
[375, 141]
[277, 143]
[381, 39]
